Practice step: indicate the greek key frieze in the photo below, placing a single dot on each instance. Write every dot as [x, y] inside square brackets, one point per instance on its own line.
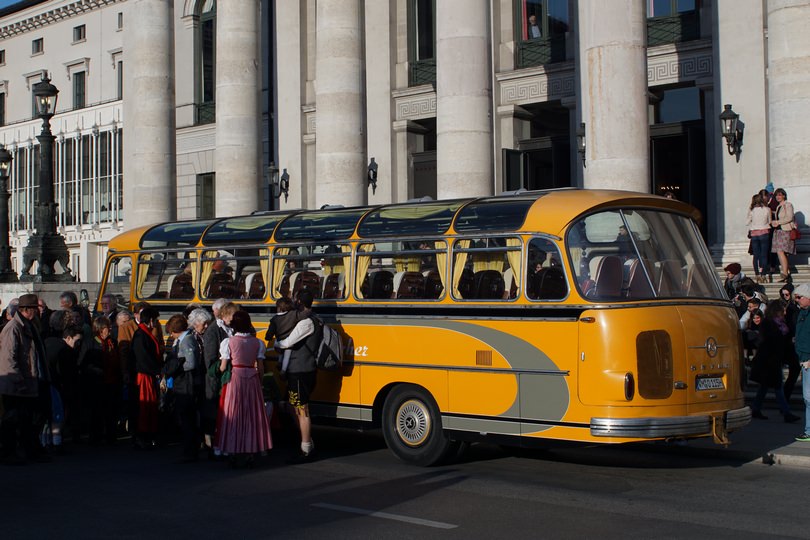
[416, 107]
[536, 88]
[672, 69]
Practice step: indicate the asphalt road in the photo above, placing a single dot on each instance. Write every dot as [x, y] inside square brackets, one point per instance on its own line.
[357, 489]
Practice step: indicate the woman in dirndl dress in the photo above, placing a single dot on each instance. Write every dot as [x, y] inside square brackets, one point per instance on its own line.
[245, 428]
[782, 225]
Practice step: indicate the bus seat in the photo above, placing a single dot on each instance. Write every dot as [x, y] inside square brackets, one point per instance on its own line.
[333, 285]
[170, 284]
[254, 285]
[305, 281]
[180, 286]
[381, 284]
[433, 284]
[608, 278]
[510, 286]
[221, 286]
[465, 284]
[284, 288]
[637, 284]
[670, 279]
[549, 284]
[488, 284]
[409, 285]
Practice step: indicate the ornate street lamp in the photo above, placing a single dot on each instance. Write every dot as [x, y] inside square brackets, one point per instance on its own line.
[7, 274]
[45, 246]
[732, 129]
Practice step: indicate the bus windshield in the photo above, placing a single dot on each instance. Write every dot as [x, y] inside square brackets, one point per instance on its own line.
[623, 255]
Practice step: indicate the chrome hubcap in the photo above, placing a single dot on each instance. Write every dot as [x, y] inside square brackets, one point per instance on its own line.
[413, 423]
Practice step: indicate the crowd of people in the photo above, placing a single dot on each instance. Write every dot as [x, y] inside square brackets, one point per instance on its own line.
[773, 232]
[774, 336]
[67, 376]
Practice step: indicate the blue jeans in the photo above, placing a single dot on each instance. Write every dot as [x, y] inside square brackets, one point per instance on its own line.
[761, 245]
[779, 392]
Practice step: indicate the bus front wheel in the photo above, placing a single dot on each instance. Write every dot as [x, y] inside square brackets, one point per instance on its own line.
[412, 426]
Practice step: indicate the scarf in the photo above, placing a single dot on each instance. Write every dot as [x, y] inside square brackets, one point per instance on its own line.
[154, 340]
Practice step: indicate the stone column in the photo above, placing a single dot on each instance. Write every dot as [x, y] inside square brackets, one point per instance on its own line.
[237, 159]
[613, 62]
[463, 99]
[340, 157]
[788, 98]
[149, 139]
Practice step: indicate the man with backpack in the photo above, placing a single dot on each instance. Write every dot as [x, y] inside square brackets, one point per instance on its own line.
[304, 343]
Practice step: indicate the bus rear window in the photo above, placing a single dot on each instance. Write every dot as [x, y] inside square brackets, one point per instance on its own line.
[622, 255]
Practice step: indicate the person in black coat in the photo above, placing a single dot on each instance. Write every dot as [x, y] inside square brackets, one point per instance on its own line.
[766, 368]
[145, 355]
[184, 367]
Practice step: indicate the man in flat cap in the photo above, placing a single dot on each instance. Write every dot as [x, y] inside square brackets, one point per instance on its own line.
[22, 365]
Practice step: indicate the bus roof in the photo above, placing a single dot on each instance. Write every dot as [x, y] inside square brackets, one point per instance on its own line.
[547, 211]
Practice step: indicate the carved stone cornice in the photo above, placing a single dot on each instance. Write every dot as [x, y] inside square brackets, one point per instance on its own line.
[674, 63]
[415, 103]
[533, 85]
[39, 20]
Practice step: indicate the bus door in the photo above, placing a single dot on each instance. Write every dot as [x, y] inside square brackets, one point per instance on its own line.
[632, 356]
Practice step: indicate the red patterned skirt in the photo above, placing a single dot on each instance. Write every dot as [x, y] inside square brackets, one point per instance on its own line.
[147, 404]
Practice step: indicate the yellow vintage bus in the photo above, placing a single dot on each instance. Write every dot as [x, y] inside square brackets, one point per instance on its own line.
[576, 315]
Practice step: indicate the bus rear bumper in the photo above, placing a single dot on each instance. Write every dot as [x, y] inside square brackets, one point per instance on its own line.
[662, 428]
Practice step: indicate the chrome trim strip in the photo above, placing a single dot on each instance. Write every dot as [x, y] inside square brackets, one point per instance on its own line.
[651, 427]
[676, 426]
[476, 369]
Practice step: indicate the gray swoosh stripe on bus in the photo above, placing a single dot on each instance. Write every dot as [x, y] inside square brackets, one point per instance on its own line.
[545, 396]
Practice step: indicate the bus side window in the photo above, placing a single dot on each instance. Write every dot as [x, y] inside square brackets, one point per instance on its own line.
[545, 275]
[482, 267]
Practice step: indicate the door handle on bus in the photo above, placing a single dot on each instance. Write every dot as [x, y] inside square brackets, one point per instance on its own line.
[680, 385]
[588, 319]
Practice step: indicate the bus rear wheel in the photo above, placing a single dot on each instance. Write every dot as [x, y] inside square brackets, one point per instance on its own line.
[412, 426]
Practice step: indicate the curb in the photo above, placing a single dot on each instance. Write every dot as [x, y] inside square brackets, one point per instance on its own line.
[787, 460]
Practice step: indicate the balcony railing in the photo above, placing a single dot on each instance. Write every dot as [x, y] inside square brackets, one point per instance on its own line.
[205, 113]
[423, 72]
[537, 52]
[673, 28]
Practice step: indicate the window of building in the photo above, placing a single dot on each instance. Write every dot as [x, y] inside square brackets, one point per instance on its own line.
[541, 29]
[677, 105]
[37, 46]
[120, 79]
[206, 184]
[120, 20]
[79, 90]
[206, 50]
[79, 33]
[422, 41]
[672, 21]
[2, 57]
[2, 109]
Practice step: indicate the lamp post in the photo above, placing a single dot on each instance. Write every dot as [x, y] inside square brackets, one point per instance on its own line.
[7, 274]
[45, 246]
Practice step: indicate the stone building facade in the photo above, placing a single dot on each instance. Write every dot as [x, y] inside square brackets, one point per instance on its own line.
[199, 107]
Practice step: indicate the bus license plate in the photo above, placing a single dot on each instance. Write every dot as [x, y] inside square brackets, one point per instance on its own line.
[710, 383]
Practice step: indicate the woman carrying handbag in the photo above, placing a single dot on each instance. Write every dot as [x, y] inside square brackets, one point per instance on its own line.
[782, 225]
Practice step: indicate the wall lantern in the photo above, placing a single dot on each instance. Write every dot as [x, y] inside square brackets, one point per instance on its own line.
[581, 142]
[732, 129]
[372, 175]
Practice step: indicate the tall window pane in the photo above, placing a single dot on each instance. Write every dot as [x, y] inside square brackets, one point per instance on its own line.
[79, 99]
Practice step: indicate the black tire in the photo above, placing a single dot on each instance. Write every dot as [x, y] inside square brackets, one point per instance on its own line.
[412, 426]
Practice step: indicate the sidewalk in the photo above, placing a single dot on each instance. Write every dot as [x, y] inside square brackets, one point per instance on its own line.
[770, 441]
